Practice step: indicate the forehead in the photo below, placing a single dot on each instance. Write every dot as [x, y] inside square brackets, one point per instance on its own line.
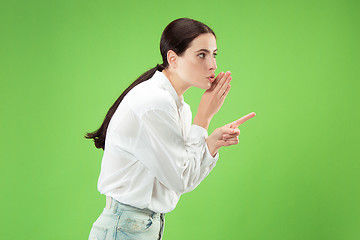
[205, 40]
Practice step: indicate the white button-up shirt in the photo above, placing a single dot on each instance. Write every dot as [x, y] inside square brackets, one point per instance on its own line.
[153, 153]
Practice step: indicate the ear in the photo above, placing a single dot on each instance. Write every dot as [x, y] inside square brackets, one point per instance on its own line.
[172, 58]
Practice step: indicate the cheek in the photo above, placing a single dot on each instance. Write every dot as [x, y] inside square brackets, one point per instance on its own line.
[193, 64]
[194, 73]
[191, 69]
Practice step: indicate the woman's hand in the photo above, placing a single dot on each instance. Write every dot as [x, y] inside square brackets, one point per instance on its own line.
[226, 135]
[212, 99]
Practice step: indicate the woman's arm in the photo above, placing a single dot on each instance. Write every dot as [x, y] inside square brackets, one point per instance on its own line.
[213, 99]
[210, 104]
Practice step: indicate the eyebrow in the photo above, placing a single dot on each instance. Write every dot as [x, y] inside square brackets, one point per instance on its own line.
[205, 50]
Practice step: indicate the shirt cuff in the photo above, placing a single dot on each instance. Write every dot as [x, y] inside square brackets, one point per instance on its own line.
[200, 130]
[209, 156]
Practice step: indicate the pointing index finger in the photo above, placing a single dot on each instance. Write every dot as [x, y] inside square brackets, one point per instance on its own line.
[242, 119]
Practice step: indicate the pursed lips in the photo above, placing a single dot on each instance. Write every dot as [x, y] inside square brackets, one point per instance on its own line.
[211, 78]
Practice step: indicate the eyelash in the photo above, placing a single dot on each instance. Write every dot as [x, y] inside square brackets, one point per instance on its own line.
[204, 53]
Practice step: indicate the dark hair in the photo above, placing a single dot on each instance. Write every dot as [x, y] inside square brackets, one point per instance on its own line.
[177, 36]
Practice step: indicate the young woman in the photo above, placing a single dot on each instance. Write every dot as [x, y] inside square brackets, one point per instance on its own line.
[152, 152]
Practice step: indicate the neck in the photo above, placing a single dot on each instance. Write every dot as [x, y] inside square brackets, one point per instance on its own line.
[179, 86]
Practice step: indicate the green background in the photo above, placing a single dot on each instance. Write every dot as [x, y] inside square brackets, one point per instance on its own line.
[295, 172]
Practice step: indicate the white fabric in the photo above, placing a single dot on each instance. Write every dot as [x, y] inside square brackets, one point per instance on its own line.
[153, 153]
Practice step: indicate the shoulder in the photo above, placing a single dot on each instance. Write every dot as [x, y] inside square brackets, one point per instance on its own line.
[147, 96]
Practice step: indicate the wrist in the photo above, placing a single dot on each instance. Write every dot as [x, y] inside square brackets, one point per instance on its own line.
[212, 146]
[201, 121]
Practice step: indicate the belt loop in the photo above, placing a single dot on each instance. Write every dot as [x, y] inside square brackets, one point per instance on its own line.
[108, 202]
[162, 223]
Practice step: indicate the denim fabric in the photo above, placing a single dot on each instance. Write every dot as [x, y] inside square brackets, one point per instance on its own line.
[121, 221]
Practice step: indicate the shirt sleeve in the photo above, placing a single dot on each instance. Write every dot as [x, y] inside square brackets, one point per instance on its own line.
[179, 164]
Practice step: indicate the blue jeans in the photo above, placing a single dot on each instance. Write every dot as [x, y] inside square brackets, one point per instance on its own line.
[121, 221]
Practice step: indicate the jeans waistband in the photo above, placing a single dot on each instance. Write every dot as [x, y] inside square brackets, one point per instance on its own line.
[115, 205]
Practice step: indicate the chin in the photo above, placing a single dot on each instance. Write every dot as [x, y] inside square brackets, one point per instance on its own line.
[209, 84]
[204, 85]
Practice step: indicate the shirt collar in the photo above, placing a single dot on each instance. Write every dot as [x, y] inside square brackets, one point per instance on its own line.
[166, 84]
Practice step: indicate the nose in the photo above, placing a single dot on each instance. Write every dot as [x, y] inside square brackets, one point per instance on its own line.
[213, 65]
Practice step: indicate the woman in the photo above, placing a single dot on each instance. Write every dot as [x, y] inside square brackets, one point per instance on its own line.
[152, 152]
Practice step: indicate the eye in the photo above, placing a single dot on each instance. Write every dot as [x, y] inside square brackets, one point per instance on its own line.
[203, 54]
